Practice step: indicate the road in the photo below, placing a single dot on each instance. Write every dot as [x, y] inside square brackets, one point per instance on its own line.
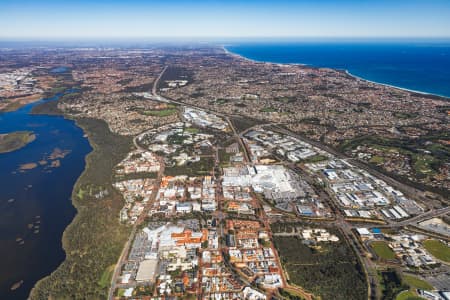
[156, 83]
[136, 225]
[417, 219]
[346, 230]
[239, 140]
[406, 189]
[126, 248]
[340, 222]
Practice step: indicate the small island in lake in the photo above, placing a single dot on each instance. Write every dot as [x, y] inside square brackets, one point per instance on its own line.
[15, 140]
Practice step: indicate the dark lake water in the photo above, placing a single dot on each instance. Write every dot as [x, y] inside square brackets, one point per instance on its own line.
[422, 65]
[41, 198]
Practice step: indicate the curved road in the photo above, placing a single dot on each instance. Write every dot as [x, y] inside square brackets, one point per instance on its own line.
[345, 227]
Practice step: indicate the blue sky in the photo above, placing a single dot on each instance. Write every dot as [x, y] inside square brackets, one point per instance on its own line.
[222, 19]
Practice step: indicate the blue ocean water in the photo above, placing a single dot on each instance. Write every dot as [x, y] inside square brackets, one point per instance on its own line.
[416, 65]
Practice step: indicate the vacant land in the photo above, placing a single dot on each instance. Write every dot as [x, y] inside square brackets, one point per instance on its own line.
[329, 270]
[417, 283]
[241, 124]
[315, 159]
[161, 112]
[105, 280]
[199, 168]
[408, 295]
[382, 250]
[15, 140]
[438, 249]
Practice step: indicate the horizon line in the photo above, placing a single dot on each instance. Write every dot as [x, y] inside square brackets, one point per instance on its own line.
[53, 38]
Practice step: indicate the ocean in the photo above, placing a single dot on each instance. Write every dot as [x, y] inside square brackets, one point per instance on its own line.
[422, 65]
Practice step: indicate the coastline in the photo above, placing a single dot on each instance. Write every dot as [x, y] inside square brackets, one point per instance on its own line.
[397, 87]
[425, 97]
[89, 159]
[236, 55]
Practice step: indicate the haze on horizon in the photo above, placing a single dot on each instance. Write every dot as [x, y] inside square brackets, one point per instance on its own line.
[222, 19]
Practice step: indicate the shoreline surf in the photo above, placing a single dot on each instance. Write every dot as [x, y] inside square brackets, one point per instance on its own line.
[237, 55]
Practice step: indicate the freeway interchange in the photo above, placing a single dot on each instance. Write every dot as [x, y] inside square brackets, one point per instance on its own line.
[345, 224]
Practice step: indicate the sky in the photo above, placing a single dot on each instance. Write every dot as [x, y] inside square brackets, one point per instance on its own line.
[223, 19]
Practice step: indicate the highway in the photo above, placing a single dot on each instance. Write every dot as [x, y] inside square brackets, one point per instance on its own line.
[419, 218]
[156, 83]
[239, 140]
[126, 248]
[139, 221]
[345, 227]
[406, 189]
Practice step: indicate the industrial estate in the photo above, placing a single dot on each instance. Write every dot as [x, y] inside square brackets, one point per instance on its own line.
[215, 177]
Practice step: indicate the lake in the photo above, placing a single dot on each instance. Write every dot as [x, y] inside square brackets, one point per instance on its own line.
[35, 205]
